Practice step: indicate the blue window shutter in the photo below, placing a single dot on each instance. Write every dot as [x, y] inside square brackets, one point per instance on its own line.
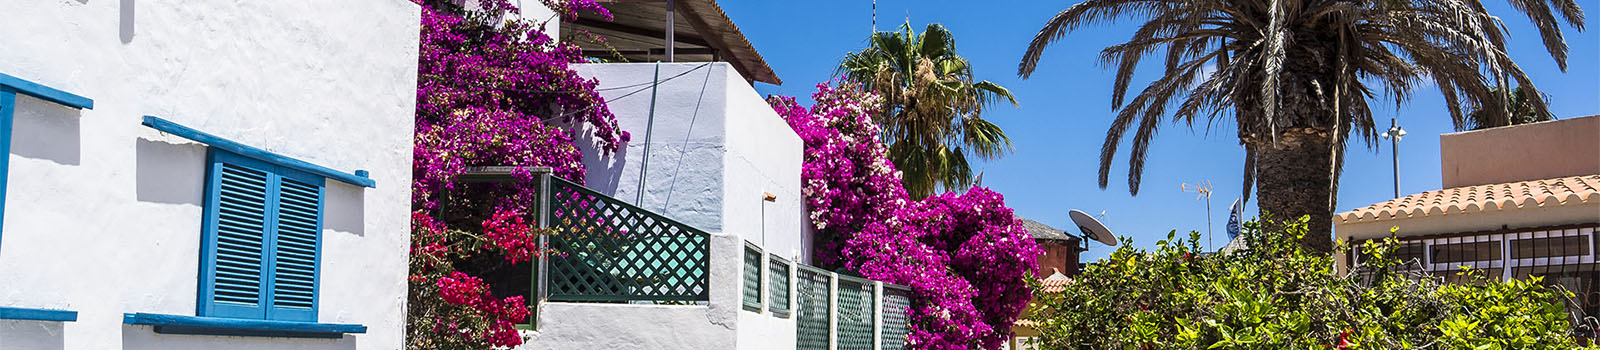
[296, 246]
[262, 240]
[236, 230]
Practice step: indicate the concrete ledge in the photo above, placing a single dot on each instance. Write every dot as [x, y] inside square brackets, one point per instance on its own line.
[175, 324]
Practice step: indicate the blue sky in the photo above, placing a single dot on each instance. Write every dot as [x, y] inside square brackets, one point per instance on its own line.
[1065, 109]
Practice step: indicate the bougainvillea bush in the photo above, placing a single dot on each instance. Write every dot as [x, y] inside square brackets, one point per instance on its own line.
[492, 90]
[1277, 295]
[964, 255]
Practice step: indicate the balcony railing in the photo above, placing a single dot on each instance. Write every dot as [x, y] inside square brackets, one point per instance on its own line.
[608, 250]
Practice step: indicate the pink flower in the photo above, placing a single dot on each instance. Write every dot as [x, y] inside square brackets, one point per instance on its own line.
[963, 255]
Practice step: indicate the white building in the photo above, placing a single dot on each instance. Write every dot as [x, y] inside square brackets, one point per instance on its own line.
[205, 175]
[1518, 201]
[714, 235]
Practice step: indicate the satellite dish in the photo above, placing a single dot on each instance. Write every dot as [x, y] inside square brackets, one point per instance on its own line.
[1092, 228]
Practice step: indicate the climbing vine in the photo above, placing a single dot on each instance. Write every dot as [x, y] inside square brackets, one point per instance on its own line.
[964, 255]
[492, 90]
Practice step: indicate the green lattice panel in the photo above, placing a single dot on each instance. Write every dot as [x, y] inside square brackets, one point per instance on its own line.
[752, 277]
[811, 324]
[896, 310]
[778, 286]
[607, 250]
[856, 314]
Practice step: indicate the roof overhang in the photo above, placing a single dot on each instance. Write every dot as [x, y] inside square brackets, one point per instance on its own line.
[1521, 204]
[702, 32]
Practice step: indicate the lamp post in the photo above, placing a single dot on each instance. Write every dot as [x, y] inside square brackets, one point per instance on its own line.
[1394, 134]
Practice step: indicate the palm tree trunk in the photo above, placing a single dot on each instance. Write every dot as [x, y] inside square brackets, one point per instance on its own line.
[1295, 179]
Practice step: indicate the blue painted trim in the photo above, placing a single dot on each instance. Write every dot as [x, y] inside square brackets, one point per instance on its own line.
[238, 148]
[45, 92]
[18, 313]
[175, 324]
[8, 102]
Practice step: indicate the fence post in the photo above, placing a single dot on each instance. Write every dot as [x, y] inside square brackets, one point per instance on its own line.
[833, 311]
[763, 271]
[877, 315]
[794, 294]
[541, 269]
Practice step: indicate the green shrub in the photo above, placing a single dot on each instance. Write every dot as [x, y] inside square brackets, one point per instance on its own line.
[1276, 295]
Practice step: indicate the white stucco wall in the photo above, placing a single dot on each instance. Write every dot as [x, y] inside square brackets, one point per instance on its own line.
[716, 148]
[687, 145]
[103, 214]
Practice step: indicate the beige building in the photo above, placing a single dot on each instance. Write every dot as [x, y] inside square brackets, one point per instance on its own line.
[1518, 201]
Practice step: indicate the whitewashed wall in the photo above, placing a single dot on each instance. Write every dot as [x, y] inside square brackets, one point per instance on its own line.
[716, 147]
[103, 214]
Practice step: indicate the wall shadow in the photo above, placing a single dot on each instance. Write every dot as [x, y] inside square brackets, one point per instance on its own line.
[125, 25]
[604, 171]
[145, 338]
[48, 131]
[170, 173]
[346, 208]
[31, 335]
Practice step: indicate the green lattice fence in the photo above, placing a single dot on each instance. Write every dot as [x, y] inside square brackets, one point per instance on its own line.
[896, 307]
[608, 250]
[752, 277]
[856, 314]
[811, 324]
[778, 287]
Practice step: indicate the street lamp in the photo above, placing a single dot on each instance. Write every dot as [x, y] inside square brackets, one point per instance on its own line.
[1394, 134]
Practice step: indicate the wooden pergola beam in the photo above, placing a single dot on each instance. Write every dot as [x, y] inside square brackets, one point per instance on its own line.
[716, 42]
[647, 32]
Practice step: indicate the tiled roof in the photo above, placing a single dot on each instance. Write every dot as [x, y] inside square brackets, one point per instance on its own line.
[1039, 230]
[1563, 191]
[1056, 283]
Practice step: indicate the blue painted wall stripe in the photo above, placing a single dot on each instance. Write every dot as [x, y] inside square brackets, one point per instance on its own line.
[238, 148]
[8, 102]
[9, 88]
[45, 92]
[18, 313]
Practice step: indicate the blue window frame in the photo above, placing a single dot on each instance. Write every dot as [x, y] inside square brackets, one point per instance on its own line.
[261, 240]
[9, 88]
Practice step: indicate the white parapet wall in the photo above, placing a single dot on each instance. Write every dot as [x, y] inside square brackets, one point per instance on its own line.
[103, 215]
[714, 324]
[716, 150]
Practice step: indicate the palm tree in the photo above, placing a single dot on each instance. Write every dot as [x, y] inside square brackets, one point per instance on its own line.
[1296, 77]
[932, 111]
[1522, 112]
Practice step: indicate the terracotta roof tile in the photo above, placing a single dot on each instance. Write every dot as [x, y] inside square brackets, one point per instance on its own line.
[1563, 191]
[1056, 283]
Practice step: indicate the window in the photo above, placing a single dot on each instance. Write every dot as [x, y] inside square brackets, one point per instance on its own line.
[1466, 252]
[752, 277]
[1546, 247]
[261, 240]
[1405, 253]
[778, 286]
